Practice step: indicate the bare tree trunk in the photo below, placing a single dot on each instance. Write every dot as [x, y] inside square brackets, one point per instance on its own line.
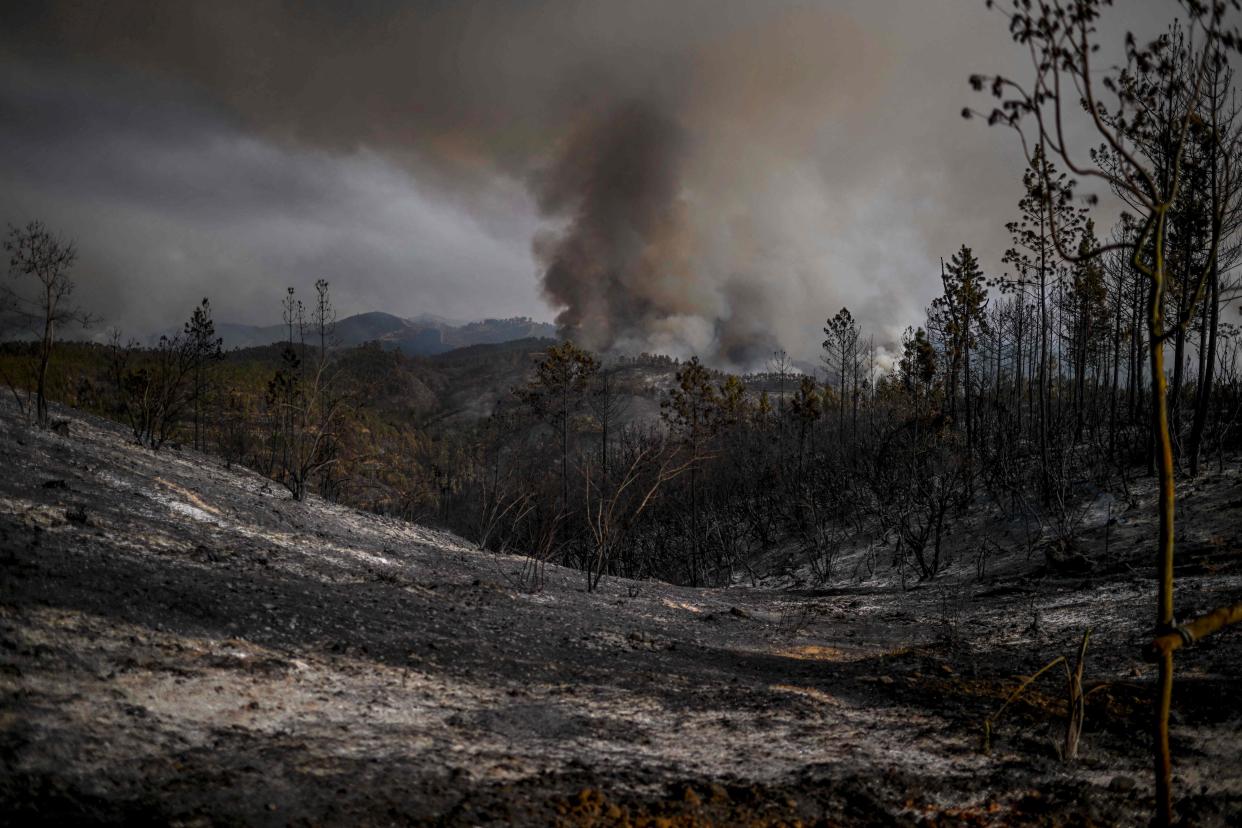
[1020, 309]
[1164, 550]
[970, 428]
[1134, 380]
[1207, 369]
[1113, 387]
[1046, 483]
[694, 519]
[45, 357]
[1175, 393]
[1080, 370]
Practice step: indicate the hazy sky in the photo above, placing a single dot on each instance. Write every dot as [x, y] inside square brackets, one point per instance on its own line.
[678, 174]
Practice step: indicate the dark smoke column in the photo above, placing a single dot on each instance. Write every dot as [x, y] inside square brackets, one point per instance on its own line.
[620, 265]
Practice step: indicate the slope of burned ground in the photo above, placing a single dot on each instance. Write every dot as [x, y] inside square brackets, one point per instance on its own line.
[181, 642]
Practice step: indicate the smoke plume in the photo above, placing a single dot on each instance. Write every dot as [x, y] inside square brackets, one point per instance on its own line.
[708, 176]
[617, 268]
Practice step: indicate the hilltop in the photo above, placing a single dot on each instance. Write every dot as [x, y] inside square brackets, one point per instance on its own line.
[422, 335]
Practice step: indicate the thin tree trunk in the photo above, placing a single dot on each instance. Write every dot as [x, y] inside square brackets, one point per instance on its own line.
[1175, 392]
[970, 429]
[1020, 309]
[45, 357]
[694, 520]
[1208, 370]
[1046, 483]
[1113, 388]
[1164, 550]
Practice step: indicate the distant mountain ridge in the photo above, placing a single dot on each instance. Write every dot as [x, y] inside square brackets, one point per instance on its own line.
[423, 335]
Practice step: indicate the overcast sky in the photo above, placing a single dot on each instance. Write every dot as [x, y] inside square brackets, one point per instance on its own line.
[683, 175]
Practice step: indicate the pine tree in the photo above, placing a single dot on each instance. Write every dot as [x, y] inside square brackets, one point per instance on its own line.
[206, 348]
[692, 411]
[557, 392]
[1038, 267]
[917, 367]
[806, 408]
[960, 313]
[1088, 315]
[841, 357]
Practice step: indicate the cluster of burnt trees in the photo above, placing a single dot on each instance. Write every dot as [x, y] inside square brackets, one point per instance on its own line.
[157, 389]
[1027, 390]
[1028, 399]
[1164, 126]
[173, 390]
[1093, 357]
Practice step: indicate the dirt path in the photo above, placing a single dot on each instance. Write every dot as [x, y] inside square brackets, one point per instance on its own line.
[181, 643]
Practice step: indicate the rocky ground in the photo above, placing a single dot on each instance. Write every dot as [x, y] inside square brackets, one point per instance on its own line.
[183, 644]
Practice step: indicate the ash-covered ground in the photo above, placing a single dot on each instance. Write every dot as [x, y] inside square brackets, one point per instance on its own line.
[183, 644]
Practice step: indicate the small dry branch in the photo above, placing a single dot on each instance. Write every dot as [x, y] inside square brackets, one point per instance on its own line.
[1075, 700]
